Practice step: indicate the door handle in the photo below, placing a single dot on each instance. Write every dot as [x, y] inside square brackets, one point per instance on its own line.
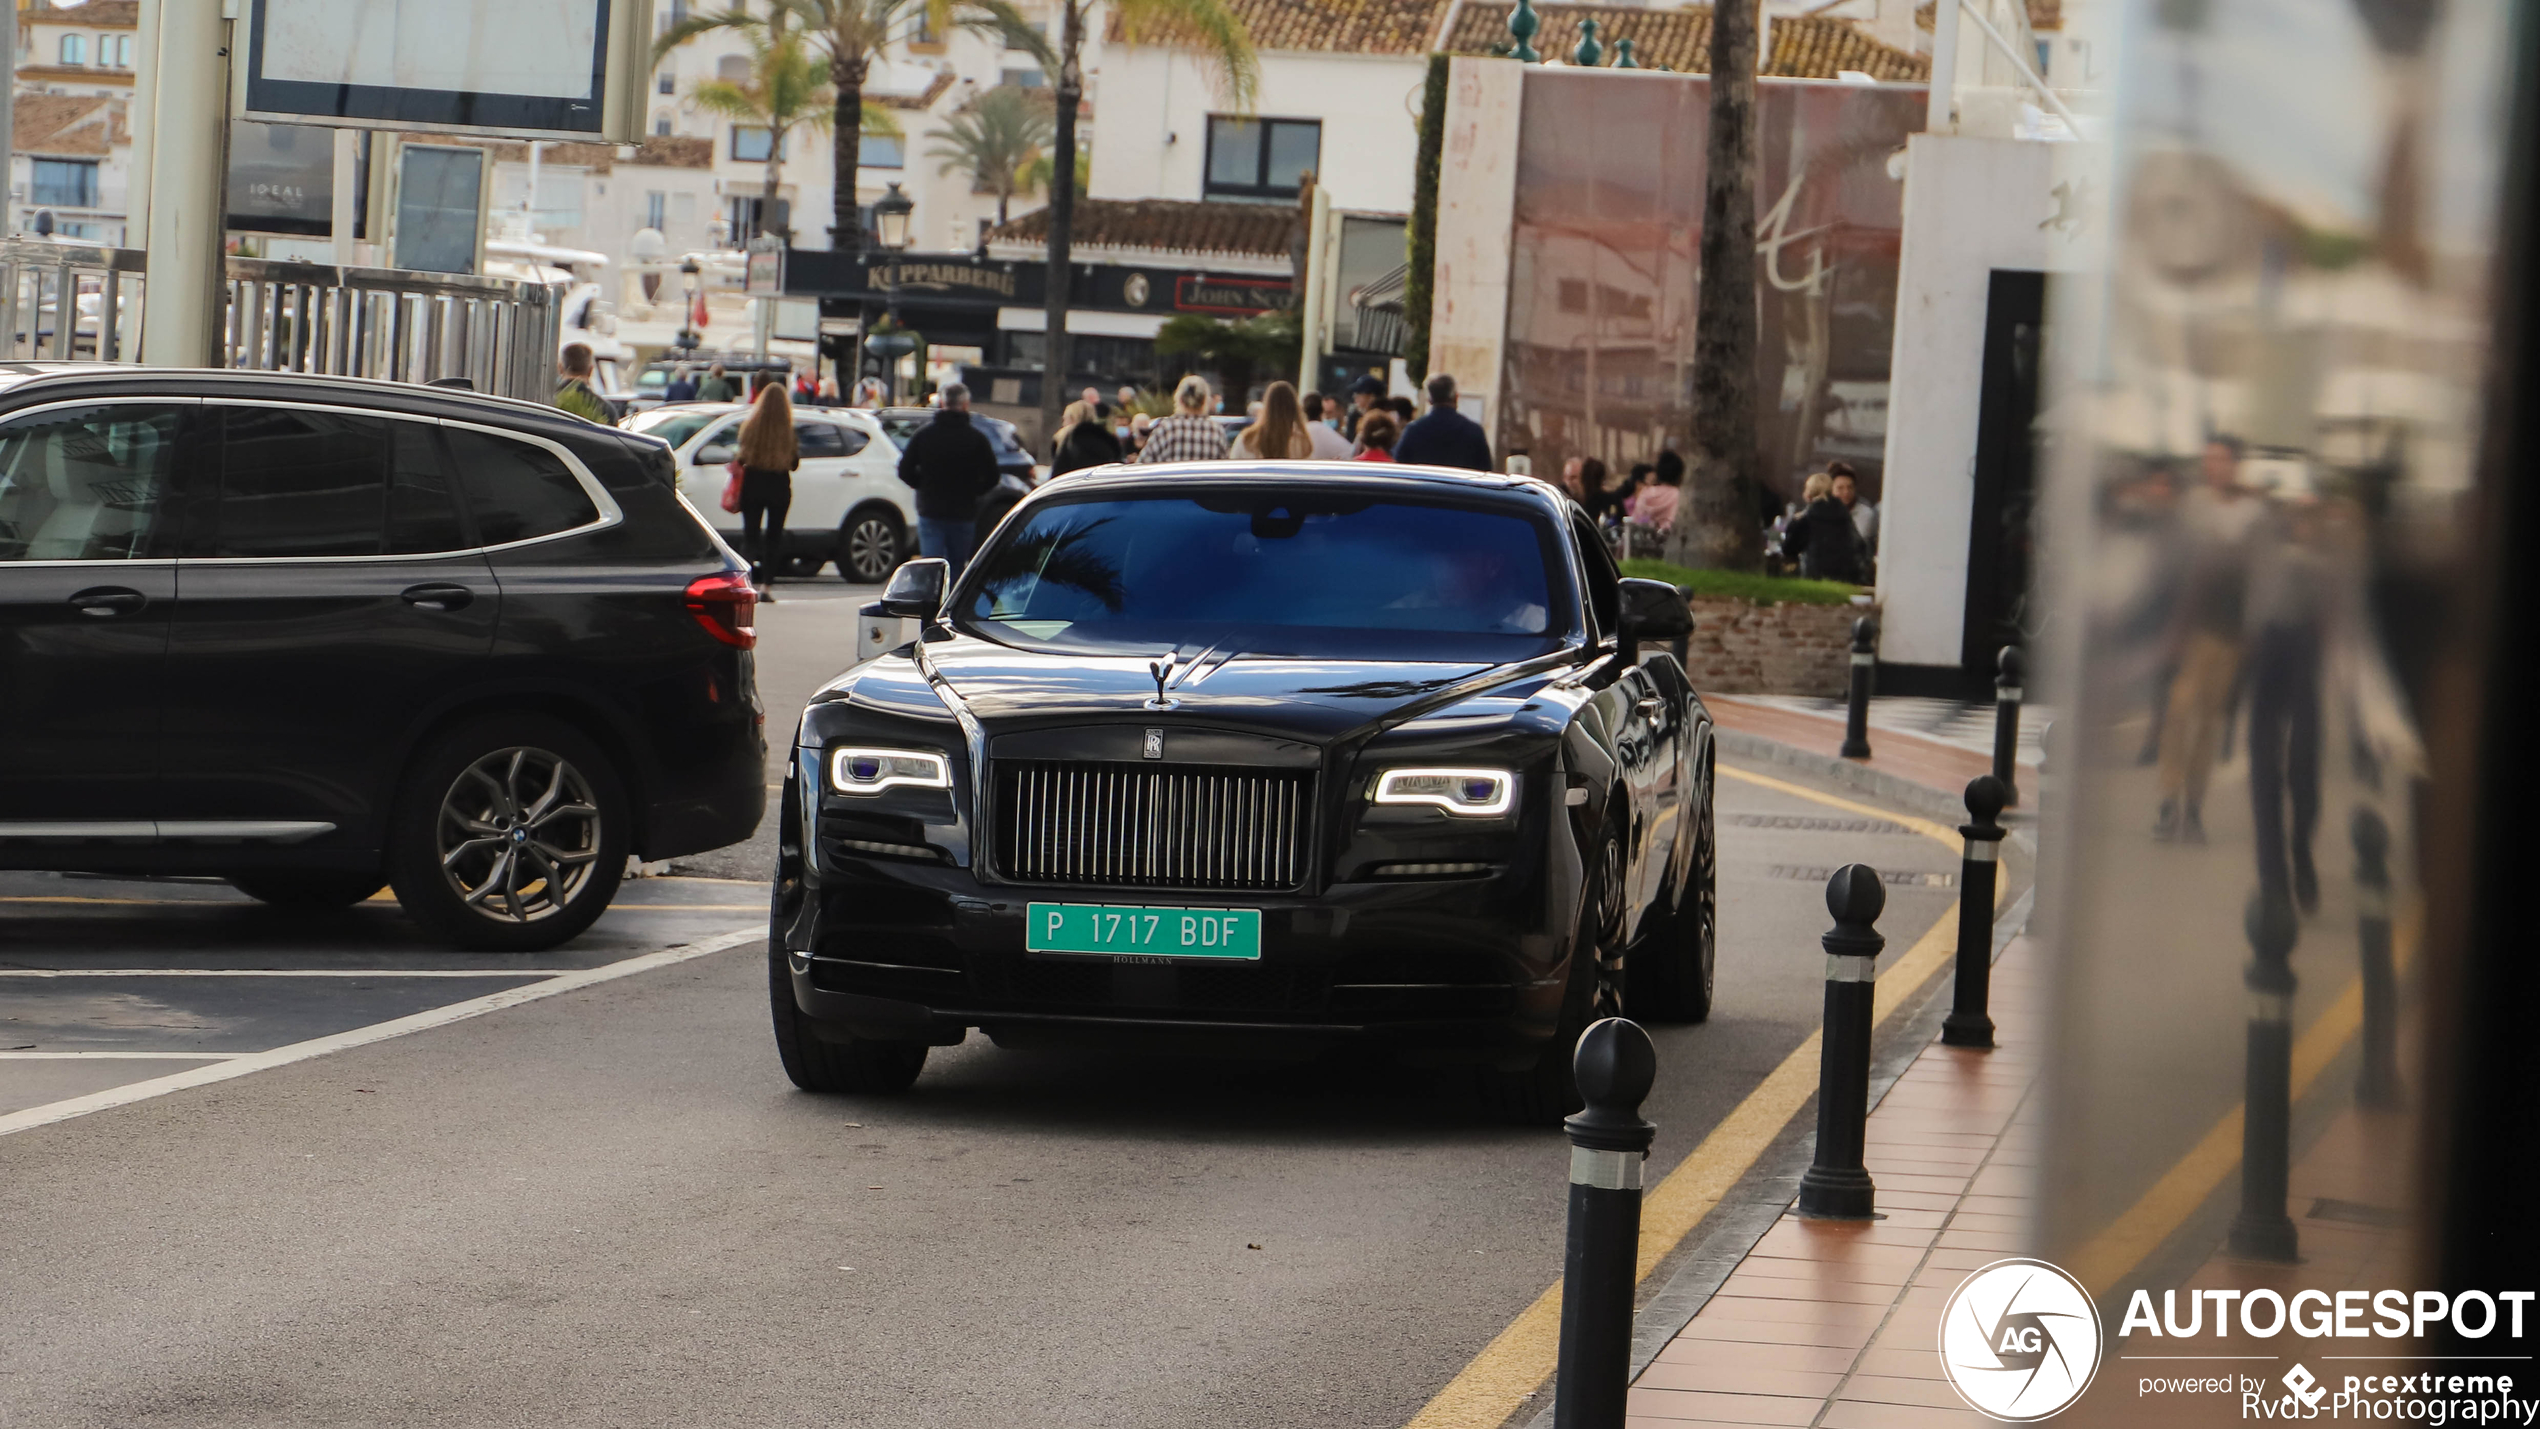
[1649, 706]
[108, 600]
[437, 597]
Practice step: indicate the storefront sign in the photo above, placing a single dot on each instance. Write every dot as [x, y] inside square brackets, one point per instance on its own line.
[1244, 297]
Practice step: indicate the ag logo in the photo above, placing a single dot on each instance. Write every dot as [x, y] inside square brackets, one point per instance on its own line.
[2020, 1340]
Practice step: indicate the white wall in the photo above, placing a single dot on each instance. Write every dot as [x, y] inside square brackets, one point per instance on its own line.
[1155, 105]
[1477, 206]
[1971, 206]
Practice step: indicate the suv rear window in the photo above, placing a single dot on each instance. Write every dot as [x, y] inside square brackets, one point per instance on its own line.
[519, 492]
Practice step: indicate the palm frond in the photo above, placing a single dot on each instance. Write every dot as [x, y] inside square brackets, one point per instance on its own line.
[1209, 29]
[688, 29]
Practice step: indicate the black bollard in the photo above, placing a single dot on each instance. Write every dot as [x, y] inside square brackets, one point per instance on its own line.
[2011, 666]
[1865, 667]
[1837, 1186]
[2377, 1081]
[1970, 1021]
[1615, 1066]
[2263, 1231]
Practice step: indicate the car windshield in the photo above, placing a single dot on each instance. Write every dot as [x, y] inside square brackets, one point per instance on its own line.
[651, 379]
[674, 425]
[1313, 574]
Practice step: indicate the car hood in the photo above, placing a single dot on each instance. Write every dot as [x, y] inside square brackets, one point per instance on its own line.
[1315, 699]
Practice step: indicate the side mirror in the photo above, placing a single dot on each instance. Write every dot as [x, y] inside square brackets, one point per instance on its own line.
[712, 454]
[1654, 610]
[917, 588]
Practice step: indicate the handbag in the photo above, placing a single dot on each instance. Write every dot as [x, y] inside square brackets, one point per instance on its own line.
[732, 488]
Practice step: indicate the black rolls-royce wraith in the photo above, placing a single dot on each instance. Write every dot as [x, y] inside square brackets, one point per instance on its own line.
[1265, 751]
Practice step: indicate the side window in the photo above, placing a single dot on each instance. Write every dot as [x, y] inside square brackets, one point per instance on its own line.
[827, 439]
[719, 447]
[1604, 582]
[516, 491]
[86, 483]
[299, 483]
[423, 503]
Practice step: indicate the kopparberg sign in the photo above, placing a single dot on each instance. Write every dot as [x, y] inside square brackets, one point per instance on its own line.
[2469, 1393]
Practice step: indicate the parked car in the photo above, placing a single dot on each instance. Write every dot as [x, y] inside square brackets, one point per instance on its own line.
[1254, 753]
[1012, 457]
[314, 635]
[654, 380]
[850, 505]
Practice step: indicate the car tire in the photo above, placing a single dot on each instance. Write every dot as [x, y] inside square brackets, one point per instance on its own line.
[1545, 1092]
[818, 1064]
[491, 816]
[871, 545]
[801, 568]
[307, 888]
[1673, 967]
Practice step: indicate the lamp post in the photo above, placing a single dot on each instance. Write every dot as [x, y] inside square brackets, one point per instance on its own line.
[690, 277]
[890, 222]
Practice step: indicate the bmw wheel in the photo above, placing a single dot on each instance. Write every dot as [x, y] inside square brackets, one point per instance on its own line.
[870, 546]
[510, 835]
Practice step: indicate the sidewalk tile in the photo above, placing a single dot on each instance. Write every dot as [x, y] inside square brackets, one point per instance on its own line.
[1892, 1389]
[1730, 1379]
[1853, 1414]
[1677, 1406]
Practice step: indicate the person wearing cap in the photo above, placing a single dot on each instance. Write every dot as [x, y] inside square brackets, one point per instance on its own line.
[1364, 394]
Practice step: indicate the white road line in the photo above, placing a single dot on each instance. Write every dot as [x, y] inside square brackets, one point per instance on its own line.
[275, 972]
[123, 1056]
[52, 1112]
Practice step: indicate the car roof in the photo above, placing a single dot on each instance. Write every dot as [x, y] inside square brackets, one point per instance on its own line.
[1356, 476]
[30, 378]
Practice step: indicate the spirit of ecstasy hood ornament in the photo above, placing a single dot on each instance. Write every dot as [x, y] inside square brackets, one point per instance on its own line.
[1162, 670]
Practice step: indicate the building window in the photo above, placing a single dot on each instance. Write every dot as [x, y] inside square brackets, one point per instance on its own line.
[667, 83]
[661, 125]
[922, 34]
[656, 208]
[882, 151]
[748, 217]
[64, 183]
[74, 49]
[733, 69]
[115, 50]
[1261, 158]
[749, 143]
[1023, 79]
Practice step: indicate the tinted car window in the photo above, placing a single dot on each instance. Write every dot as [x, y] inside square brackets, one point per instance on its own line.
[1312, 574]
[516, 491]
[423, 503]
[300, 483]
[674, 425]
[85, 483]
[827, 439]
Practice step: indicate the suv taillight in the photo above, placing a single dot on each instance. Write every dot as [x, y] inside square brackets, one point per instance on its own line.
[726, 606]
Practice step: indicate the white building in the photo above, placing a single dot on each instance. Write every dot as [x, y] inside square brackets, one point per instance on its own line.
[70, 134]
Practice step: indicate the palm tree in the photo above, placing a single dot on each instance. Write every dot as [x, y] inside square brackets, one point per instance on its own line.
[995, 141]
[1725, 530]
[1209, 28]
[850, 34]
[784, 92]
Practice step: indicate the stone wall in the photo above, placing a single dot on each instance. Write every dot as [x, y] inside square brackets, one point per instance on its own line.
[1740, 648]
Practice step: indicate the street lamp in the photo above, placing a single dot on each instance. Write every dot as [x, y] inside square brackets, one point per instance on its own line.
[690, 277]
[890, 222]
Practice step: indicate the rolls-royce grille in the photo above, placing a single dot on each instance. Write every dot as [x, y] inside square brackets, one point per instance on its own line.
[1183, 826]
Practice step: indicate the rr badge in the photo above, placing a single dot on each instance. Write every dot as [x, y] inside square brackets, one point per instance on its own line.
[1155, 744]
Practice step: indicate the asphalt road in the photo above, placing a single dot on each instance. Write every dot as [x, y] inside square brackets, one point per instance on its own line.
[608, 1206]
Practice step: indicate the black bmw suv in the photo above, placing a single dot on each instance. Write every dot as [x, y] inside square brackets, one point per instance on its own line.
[315, 635]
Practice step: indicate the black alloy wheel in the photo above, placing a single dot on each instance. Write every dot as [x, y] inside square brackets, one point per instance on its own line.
[307, 888]
[1676, 962]
[510, 835]
[1547, 1091]
[870, 546]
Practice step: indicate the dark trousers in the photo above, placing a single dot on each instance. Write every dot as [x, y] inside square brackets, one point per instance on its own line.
[765, 496]
[2284, 752]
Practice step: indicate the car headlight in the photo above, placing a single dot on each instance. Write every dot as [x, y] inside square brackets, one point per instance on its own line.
[870, 771]
[1458, 791]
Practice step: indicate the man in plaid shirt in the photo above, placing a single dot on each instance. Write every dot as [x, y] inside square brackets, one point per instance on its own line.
[1187, 435]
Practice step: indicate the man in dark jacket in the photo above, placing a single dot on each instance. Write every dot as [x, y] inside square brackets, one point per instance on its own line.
[1825, 541]
[1445, 437]
[951, 464]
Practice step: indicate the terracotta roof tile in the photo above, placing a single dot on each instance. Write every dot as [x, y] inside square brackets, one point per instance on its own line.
[86, 125]
[924, 99]
[1359, 27]
[2042, 14]
[1804, 46]
[1254, 229]
[95, 15]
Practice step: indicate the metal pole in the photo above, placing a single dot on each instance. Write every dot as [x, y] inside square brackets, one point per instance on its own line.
[2377, 1081]
[1615, 1066]
[1970, 1020]
[1838, 1186]
[1940, 109]
[2263, 1231]
[2010, 667]
[188, 155]
[1865, 661]
[341, 208]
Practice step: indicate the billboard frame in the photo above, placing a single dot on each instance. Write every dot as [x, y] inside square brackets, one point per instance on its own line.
[621, 66]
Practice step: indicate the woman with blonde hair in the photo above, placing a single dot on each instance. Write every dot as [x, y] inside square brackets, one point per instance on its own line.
[1083, 441]
[1189, 434]
[1279, 434]
[767, 457]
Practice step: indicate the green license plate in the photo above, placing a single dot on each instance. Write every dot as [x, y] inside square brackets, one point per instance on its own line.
[1143, 932]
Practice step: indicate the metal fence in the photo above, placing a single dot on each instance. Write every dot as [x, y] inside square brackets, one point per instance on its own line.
[291, 317]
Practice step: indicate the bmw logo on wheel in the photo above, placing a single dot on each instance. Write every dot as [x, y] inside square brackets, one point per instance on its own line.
[2020, 1340]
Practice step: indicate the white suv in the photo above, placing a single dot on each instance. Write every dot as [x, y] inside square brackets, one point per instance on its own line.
[849, 503]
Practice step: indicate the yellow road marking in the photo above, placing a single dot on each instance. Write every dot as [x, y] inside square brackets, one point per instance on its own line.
[1521, 1357]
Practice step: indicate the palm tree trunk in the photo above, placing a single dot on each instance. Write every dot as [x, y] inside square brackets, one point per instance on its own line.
[1071, 93]
[775, 181]
[1725, 530]
[846, 216]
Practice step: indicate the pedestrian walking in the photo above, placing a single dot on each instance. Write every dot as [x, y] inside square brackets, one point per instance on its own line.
[1846, 486]
[950, 463]
[1822, 535]
[768, 456]
[870, 393]
[1445, 437]
[2207, 626]
[1187, 435]
[1377, 433]
[1279, 433]
[2289, 582]
[682, 386]
[1329, 444]
[1083, 441]
[1364, 394]
[574, 392]
[717, 387]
